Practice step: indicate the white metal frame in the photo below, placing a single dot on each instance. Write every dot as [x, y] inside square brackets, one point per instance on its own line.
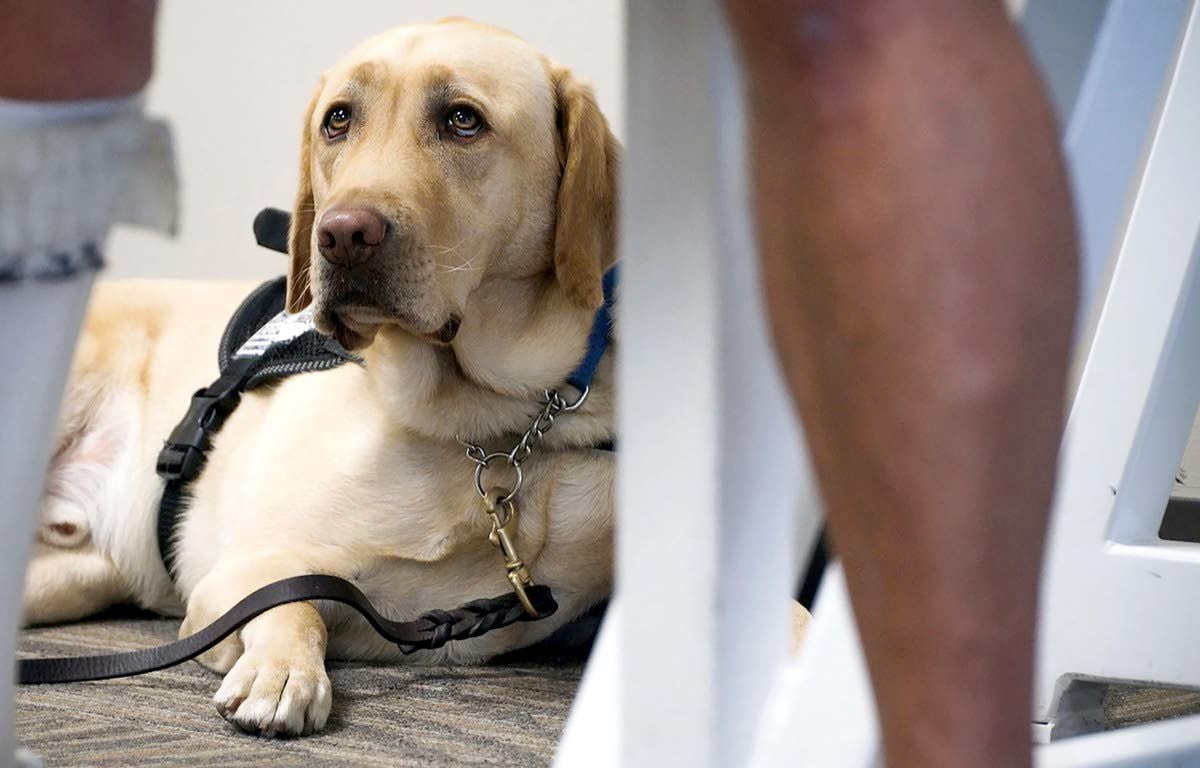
[1169, 744]
[1109, 129]
[728, 695]
[709, 457]
[1114, 595]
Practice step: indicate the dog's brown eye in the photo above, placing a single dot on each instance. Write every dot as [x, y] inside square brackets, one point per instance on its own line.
[465, 122]
[337, 122]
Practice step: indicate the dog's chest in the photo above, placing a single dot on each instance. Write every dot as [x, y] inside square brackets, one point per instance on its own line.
[328, 483]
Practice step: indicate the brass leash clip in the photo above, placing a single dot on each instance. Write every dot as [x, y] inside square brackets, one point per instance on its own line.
[498, 503]
[504, 533]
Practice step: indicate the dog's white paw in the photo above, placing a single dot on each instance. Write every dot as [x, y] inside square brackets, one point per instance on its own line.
[275, 696]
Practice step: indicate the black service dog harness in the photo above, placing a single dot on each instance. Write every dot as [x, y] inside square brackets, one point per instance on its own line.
[262, 345]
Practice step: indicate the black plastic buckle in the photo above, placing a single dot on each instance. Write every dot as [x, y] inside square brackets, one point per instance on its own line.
[183, 452]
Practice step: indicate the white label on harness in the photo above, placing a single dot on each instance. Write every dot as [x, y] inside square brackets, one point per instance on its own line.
[281, 328]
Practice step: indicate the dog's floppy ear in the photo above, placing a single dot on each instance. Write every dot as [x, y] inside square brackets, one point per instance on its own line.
[585, 232]
[303, 214]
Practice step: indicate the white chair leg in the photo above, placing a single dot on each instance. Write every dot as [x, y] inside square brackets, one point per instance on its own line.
[711, 470]
[592, 736]
[1114, 115]
[822, 711]
[1115, 597]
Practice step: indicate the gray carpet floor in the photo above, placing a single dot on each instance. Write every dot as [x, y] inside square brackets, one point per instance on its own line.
[509, 713]
[1126, 705]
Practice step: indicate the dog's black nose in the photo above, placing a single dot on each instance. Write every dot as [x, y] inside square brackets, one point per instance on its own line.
[348, 236]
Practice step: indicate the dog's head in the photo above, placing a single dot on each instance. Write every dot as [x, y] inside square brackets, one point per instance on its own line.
[435, 158]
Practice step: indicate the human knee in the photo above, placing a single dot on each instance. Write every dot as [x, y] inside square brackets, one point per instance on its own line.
[798, 35]
[795, 37]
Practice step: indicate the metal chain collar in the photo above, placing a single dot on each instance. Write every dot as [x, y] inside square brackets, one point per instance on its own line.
[499, 502]
[553, 406]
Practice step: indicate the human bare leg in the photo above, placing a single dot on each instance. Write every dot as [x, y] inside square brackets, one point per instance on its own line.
[919, 260]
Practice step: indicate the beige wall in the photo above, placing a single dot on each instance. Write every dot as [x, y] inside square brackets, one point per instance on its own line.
[233, 77]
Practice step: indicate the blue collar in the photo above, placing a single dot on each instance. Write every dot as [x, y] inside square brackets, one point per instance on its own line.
[581, 377]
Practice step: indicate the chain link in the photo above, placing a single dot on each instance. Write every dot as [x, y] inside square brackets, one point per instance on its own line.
[553, 406]
[498, 501]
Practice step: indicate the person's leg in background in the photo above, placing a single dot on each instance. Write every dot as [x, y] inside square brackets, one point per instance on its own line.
[77, 157]
[919, 263]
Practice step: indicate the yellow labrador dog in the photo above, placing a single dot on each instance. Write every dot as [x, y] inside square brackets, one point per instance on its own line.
[454, 221]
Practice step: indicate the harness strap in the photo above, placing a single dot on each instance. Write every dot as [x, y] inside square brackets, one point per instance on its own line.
[431, 630]
[186, 449]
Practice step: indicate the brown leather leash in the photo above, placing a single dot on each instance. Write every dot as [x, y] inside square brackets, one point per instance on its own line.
[431, 630]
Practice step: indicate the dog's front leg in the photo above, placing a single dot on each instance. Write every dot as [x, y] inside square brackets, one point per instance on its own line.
[276, 682]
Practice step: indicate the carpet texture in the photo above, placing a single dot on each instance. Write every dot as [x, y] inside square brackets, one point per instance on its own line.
[1126, 705]
[509, 713]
